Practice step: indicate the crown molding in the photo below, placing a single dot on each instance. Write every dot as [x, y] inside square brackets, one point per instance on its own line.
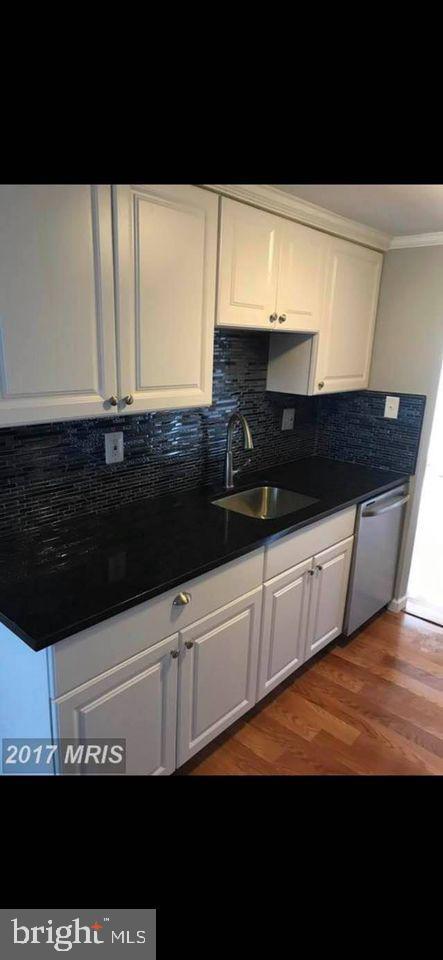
[419, 240]
[294, 208]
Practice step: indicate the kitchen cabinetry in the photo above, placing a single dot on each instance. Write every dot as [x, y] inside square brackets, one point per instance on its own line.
[218, 672]
[122, 680]
[352, 287]
[57, 325]
[303, 612]
[169, 675]
[103, 313]
[271, 271]
[285, 615]
[135, 702]
[338, 357]
[329, 584]
[166, 251]
[214, 662]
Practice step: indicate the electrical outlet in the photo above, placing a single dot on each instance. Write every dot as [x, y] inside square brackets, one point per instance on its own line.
[287, 420]
[391, 407]
[114, 447]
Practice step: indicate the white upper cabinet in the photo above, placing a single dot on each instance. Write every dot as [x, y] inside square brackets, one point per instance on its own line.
[57, 324]
[271, 271]
[345, 344]
[248, 267]
[301, 277]
[338, 357]
[166, 252]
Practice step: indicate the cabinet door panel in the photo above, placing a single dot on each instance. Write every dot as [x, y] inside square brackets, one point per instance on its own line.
[218, 672]
[135, 701]
[301, 278]
[345, 345]
[57, 321]
[166, 262]
[248, 263]
[284, 624]
[328, 595]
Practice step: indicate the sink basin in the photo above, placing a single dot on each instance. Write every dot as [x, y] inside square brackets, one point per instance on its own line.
[265, 503]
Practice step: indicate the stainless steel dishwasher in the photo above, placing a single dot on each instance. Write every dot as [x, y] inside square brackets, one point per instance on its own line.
[378, 532]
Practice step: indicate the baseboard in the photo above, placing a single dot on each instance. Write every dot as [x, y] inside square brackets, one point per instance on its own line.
[397, 604]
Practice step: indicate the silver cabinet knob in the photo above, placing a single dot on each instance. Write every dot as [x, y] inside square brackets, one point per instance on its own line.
[182, 599]
[174, 654]
[321, 384]
[189, 644]
[129, 399]
[113, 401]
[282, 318]
[272, 318]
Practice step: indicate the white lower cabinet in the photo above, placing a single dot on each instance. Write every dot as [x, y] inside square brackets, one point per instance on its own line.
[217, 673]
[171, 698]
[136, 701]
[284, 624]
[303, 611]
[328, 595]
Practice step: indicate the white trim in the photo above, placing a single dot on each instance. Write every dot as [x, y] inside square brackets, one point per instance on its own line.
[419, 240]
[279, 202]
[426, 611]
[397, 604]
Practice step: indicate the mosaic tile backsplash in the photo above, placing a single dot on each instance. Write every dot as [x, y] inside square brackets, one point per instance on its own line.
[57, 471]
[352, 426]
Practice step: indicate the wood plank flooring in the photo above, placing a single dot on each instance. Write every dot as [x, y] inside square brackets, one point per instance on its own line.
[371, 706]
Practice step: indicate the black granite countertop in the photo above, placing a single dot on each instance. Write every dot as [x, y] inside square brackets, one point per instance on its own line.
[73, 575]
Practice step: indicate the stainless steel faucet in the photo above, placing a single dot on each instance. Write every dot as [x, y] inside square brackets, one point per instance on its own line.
[247, 436]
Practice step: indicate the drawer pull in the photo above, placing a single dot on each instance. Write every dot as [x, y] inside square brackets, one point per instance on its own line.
[182, 599]
[174, 654]
[319, 567]
[189, 644]
[272, 318]
[311, 573]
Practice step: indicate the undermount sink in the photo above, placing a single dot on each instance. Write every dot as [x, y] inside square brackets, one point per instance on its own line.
[265, 503]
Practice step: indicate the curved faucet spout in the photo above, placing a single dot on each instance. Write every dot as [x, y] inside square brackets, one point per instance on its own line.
[248, 445]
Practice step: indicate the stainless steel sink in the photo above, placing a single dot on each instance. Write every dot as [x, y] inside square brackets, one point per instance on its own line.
[265, 503]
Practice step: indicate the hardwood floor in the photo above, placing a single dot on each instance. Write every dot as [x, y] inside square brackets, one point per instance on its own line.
[372, 706]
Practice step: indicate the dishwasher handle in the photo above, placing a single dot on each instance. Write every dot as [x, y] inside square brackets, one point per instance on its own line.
[389, 506]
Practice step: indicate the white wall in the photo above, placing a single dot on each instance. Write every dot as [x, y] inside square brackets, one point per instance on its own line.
[408, 354]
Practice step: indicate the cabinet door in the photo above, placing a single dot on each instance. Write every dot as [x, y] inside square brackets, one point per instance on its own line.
[345, 343]
[218, 672]
[57, 321]
[248, 266]
[136, 701]
[328, 595]
[284, 624]
[301, 278]
[166, 255]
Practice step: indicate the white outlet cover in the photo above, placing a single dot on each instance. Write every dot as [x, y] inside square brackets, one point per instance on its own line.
[114, 447]
[287, 420]
[391, 407]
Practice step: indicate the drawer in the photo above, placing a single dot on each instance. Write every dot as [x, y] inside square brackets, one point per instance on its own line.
[298, 546]
[77, 659]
